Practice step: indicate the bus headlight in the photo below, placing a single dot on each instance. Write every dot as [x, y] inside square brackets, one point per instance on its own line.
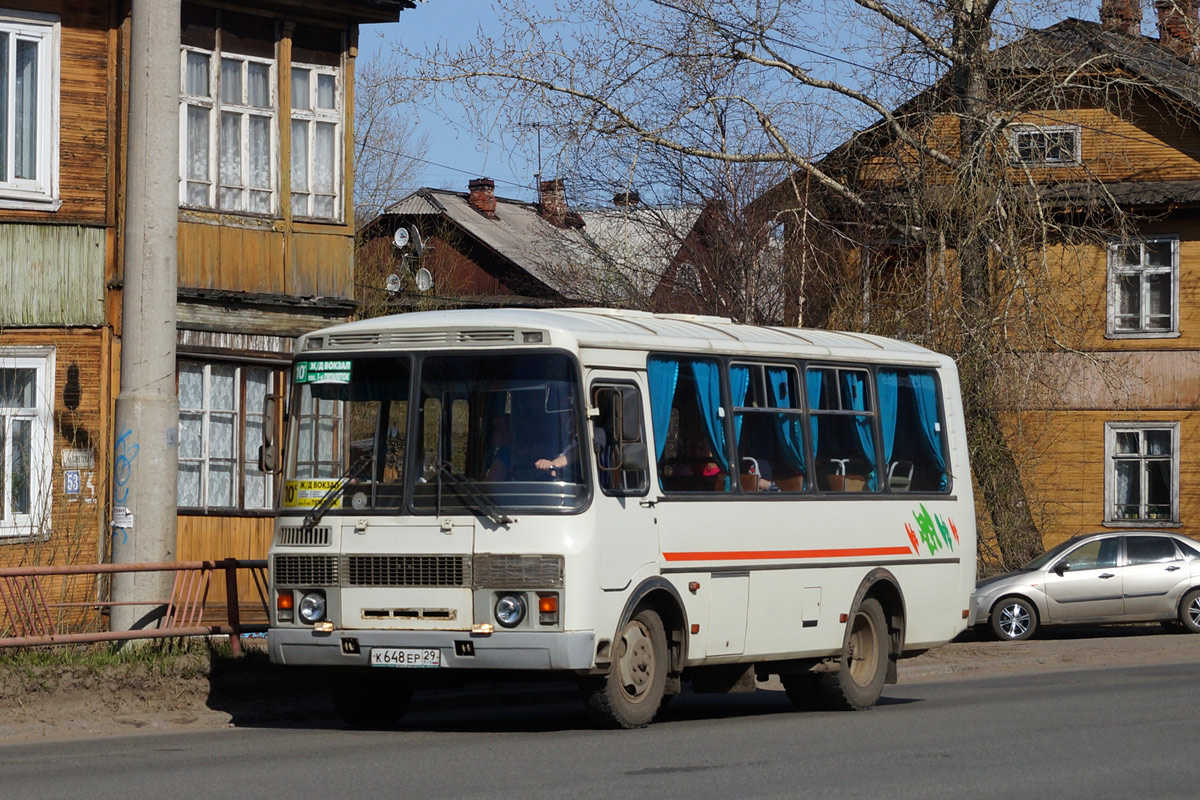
[312, 607]
[510, 610]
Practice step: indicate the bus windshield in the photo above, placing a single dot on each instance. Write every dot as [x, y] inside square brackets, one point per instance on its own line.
[489, 432]
[506, 427]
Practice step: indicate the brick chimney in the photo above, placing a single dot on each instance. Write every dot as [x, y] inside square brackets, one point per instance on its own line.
[552, 197]
[626, 199]
[1178, 21]
[1121, 16]
[483, 196]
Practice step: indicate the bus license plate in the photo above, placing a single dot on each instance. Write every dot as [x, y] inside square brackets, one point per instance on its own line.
[406, 657]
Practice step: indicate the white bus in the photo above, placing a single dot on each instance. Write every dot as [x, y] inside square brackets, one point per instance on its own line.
[634, 500]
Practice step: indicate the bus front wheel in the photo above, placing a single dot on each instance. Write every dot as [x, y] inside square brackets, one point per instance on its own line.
[857, 681]
[631, 693]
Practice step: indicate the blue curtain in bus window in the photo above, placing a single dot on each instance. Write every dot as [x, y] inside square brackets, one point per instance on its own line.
[787, 425]
[662, 375]
[854, 384]
[925, 393]
[739, 382]
[708, 392]
[814, 379]
[888, 382]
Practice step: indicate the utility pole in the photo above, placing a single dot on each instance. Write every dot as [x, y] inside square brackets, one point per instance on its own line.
[147, 408]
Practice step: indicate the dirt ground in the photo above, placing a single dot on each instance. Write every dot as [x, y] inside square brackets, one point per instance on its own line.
[203, 692]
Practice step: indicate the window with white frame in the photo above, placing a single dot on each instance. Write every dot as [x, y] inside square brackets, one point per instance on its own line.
[228, 126]
[26, 417]
[316, 141]
[220, 432]
[1045, 145]
[1142, 472]
[1143, 286]
[28, 108]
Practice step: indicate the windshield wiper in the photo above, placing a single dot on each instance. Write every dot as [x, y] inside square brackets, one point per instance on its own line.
[331, 494]
[478, 501]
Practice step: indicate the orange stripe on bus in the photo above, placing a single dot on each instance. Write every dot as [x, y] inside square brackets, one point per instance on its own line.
[771, 555]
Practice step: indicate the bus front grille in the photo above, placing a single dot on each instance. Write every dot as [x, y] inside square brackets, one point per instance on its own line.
[300, 536]
[382, 570]
[306, 570]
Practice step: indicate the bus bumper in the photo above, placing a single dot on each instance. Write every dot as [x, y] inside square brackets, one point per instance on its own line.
[569, 650]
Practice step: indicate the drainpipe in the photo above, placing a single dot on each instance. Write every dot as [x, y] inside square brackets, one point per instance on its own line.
[147, 408]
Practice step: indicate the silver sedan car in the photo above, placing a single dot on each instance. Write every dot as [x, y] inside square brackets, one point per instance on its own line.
[1128, 576]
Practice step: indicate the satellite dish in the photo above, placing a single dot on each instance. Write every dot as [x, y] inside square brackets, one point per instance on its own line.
[414, 236]
[392, 286]
[424, 280]
[400, 237]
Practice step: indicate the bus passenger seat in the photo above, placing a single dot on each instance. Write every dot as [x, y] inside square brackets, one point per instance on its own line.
[900, 475]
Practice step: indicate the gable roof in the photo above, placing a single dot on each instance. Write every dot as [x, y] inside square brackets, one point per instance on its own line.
[611, 243]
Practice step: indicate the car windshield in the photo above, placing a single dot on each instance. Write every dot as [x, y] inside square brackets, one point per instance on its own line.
[1045, 558]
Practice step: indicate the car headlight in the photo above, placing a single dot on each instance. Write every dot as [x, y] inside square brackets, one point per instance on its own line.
[510, 610]
[312, 607]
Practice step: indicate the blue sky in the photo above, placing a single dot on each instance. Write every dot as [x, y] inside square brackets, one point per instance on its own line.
[457, 154]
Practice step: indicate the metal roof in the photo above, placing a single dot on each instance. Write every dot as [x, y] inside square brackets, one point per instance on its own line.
[622, 329]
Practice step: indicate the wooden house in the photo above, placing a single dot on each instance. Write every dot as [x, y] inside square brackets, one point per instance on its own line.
[265, 252]
[480, 249]
[1107, 435]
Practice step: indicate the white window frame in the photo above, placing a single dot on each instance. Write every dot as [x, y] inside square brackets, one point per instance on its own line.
[241, 462]
[217, 108]
[41, 192]
[1111, 429]
[1117, 268]
[1017, 131]
[37, 521]
[311, 116]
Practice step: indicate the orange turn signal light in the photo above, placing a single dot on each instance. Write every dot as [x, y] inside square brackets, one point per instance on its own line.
[284, 601]
[547, 603]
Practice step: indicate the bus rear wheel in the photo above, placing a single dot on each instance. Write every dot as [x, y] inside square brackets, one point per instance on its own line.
[857, 682]
[631, 693]
[369, 699]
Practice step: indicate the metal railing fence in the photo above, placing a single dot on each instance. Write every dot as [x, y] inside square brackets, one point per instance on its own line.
[53, 605]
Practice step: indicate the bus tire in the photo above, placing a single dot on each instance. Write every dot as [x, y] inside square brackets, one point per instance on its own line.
[804, 690]
[632, 692]
[857, 682]
[369, 701]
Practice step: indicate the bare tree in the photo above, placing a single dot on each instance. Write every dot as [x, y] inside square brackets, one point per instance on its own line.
[887, 125]
[387, 148]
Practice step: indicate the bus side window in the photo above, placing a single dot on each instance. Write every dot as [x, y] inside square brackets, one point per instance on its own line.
[619, 441]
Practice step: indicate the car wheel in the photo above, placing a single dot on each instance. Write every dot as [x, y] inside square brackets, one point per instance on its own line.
[1189, 611]
[632, 692]
[1014, 619]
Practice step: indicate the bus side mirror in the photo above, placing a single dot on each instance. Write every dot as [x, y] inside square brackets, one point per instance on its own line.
[268, 451]
[631, 417]
[634, 456]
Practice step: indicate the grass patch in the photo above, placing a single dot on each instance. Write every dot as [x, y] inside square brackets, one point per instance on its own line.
[185, 658]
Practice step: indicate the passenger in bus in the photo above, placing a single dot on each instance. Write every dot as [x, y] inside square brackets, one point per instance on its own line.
[499, 454]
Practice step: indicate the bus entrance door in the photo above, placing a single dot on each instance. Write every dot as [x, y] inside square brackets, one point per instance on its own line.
[627, 541]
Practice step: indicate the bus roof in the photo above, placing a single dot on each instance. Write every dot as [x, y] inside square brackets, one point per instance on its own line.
[605, 328]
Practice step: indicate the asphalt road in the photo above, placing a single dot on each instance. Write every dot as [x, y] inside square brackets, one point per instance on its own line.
[1119, 733]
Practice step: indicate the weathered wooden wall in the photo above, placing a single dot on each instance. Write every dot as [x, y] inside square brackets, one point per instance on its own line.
[52, 274]
[216, 537]
[1063, 467]
[83, 379]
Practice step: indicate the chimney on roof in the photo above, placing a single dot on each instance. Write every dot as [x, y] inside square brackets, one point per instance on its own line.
[552, 197]
[1121, 16]
[1178, 21]
[483, 196]
[626, 199]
